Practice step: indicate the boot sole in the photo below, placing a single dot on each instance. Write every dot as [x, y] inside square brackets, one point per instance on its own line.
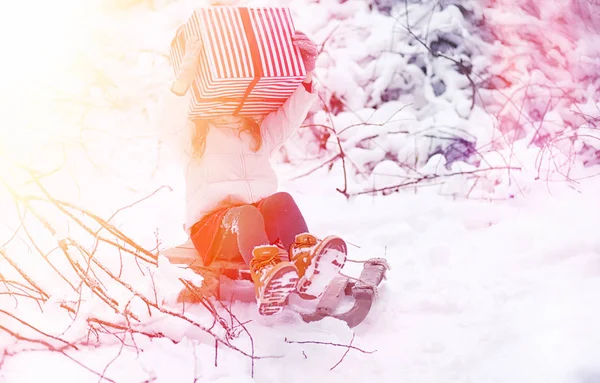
[314, 281]
[276, 292]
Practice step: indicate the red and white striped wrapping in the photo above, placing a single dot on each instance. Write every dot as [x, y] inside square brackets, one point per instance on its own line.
[248, 64]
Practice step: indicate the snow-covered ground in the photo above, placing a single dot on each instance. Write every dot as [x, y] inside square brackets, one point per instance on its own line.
[478, 292]
[493, 278]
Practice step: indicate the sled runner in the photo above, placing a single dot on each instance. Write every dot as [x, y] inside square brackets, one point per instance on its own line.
[345, 298]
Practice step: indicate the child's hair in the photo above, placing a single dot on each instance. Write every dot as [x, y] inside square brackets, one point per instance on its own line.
[201, 128]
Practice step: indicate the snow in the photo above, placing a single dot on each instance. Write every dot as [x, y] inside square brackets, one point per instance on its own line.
[478, 291]
[494, 275]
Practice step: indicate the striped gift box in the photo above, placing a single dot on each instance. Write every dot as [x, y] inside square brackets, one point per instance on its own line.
[248, 64]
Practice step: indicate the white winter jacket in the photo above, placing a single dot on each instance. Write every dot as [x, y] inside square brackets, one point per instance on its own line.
[229, 172]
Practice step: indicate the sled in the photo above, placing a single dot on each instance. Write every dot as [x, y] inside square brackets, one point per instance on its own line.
[345, 298]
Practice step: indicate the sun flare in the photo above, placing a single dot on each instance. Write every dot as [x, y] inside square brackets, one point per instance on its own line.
[41, 40]
[42, 37]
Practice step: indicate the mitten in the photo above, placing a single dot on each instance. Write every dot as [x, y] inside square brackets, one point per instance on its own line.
[308, 50]
[188, 67]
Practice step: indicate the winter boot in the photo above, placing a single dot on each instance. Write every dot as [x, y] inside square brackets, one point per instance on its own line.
[274, 279]
[317, 262]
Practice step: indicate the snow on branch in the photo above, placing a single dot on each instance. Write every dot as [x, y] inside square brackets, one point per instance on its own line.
[415, 90]
[68, 263]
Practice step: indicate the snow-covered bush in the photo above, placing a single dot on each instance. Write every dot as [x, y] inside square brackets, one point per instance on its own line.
[546, 65]
[410, 82]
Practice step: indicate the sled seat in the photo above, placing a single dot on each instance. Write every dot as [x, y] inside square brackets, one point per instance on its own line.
[185, 255]
[226, 280]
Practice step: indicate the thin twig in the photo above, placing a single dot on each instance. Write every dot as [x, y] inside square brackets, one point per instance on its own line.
[329, 344]
[345, 353]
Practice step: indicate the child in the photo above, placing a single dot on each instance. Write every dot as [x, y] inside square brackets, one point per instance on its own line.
[233, 211]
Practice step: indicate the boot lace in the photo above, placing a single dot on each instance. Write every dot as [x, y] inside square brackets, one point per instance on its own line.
[259, 263]
[301, 252]
[304, 242]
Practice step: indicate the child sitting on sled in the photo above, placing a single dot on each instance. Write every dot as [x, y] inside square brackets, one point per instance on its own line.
[233, 209]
